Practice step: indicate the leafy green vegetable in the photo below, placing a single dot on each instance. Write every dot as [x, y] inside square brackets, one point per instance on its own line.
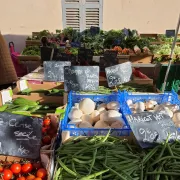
[31, 51]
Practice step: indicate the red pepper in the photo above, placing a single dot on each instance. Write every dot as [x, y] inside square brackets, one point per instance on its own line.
[138, 73]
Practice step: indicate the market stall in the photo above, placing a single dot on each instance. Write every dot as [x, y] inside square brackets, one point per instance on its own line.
[92, 111]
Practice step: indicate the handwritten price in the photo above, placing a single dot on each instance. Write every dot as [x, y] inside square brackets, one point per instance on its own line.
[149, 136]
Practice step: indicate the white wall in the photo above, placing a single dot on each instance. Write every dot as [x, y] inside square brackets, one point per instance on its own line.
[19, 18]
[147, 16]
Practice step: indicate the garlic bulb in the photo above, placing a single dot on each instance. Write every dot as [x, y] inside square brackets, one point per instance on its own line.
[140, 106]
[176, 117]
[87, 106]
[117, 124]
[95, 116]
[75, 114]
[114, 105]
[84, 124]
[87, 118]
[101, 124]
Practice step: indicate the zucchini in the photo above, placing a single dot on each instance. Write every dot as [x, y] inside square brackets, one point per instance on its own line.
[24, 113]
[3, 108]
[35, 108]
[22, 108]
[23, 101]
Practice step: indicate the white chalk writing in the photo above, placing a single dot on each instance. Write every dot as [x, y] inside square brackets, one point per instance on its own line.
[23, 151]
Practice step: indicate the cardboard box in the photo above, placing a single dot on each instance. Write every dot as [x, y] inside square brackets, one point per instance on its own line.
[41, 97]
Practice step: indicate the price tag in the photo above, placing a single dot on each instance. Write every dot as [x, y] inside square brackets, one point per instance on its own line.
[23, 85]
[170, 33]
[6, 96]
[150, 128]
[81, 78]
[118, 74]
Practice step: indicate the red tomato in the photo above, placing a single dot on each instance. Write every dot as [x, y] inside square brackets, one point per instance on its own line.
[41, 173]
[16, 168]
[37, 165]
[46, 139]
[26, 168]
[30, 177]
[44, 129]
[21, 178]
[52, 132]
[1, 168]
[37, 178]
[7, 174]
[47, 122]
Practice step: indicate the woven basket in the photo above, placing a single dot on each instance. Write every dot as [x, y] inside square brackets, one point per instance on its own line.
[7, 70]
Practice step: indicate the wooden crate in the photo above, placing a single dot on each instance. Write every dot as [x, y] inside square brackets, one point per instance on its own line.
[29, 58]
[149, 35]
[142, 58]
[35, 34]
[33, 43]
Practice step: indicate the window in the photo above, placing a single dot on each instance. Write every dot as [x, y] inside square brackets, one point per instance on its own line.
[82, 14]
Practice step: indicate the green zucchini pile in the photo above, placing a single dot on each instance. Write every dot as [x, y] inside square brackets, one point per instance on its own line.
[51, 92]
[26, 107]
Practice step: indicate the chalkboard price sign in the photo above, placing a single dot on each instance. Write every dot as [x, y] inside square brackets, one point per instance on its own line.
[81, 78]
[118, 74]
[20, 135]
[150, 128]
[54, 70]
[170, 33]
[94, 30]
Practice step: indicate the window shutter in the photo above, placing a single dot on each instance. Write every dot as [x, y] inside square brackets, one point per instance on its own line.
[71, 14]
[93, 13]
[82, 14]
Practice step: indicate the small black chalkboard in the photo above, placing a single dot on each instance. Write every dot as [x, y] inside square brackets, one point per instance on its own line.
[110, 58]
[118, 74]
[170, 33]
[85, 55]
[20, 135]
[150, 128]
[54, 70]
[94, 30]
[81, 78]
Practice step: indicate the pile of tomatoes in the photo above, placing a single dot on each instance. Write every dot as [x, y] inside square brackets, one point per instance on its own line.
[48, 131]
[22, 171]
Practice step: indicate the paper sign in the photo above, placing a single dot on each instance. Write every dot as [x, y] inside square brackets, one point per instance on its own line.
[6, 96]
[23, 85]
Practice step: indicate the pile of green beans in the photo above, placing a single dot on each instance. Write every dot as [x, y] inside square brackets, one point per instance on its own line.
[106, 157]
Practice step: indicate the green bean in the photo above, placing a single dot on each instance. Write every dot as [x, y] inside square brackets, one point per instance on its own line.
[150, 154]
[67, 169]
[164, 173]
[116, 173]
[142, 173]
[94, 175]
[82, 162]
[93, 160]
[164, 158]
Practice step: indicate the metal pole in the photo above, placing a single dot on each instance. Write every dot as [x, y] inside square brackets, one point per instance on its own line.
[171, 55]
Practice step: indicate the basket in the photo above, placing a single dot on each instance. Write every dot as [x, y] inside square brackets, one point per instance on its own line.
[171, 97]
[74, 131]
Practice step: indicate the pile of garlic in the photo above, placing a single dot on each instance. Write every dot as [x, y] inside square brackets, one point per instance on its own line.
[85, 115]
[152, 106]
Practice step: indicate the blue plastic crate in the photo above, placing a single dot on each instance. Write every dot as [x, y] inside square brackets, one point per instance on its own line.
[74, 131]
[171, 97]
